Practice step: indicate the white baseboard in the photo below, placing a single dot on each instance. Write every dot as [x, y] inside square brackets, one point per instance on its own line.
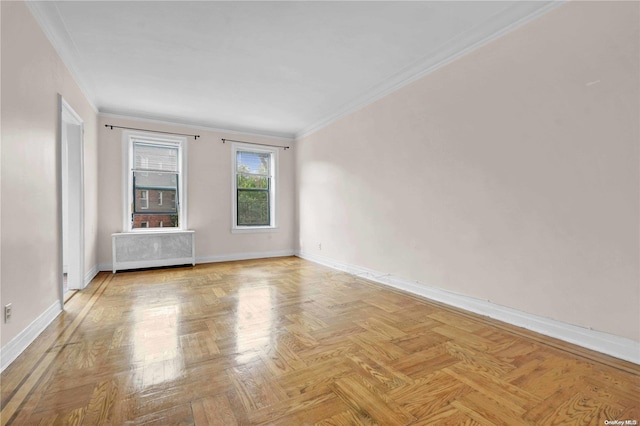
[89, 276]
[244, 256]
[18, 344]
[619, 347]
[226, 257]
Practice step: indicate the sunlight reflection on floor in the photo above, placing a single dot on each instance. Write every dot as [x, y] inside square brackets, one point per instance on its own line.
[155, 346]
[255, 321]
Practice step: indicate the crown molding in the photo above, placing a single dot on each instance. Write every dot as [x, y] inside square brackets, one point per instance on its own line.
[239, 132]
[55, 31]
[500, 24]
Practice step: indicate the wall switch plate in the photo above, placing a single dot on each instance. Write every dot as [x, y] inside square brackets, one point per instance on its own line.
[8, 310]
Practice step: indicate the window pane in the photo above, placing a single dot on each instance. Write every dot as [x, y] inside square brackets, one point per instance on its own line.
[253, 207]
[152, 189]
[252, 181]
[155, 157]
[253, 162]
[154, 203]
[155, 221]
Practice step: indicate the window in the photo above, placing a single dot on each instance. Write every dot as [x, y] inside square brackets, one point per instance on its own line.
[144, 199]
[155, 169]
[254, 187]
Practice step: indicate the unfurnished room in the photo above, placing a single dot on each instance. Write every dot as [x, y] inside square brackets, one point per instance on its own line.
[320, 212]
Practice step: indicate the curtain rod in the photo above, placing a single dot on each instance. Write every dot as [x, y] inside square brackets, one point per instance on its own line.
[255, 143]
[154, 131]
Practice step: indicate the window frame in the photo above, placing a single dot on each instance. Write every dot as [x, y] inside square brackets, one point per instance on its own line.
[273, 188]
[129, 138]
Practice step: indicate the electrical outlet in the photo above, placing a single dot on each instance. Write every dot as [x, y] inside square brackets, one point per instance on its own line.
[7, 313]
[319, 246]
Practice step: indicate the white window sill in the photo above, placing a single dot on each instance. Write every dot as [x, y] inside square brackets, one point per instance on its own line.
[254, 229]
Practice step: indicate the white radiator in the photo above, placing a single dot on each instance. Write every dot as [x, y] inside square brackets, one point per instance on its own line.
[151, 249]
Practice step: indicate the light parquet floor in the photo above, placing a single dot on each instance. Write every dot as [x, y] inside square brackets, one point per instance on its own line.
[286, 341]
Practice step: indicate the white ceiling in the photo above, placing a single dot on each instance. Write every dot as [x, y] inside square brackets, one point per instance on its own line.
[270, 68]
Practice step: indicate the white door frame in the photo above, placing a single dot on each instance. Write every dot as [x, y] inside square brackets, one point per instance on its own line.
[71, 144]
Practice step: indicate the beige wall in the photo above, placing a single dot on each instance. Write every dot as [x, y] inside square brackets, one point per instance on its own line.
[32, 77]
[208, 193]
[509, 175]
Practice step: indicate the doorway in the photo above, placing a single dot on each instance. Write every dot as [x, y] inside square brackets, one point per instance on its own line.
[71, 134]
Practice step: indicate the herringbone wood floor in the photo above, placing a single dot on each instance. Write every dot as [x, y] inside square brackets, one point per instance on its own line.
[285, 341]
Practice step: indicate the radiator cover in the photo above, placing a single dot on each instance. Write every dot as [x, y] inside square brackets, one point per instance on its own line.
[151, 249]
